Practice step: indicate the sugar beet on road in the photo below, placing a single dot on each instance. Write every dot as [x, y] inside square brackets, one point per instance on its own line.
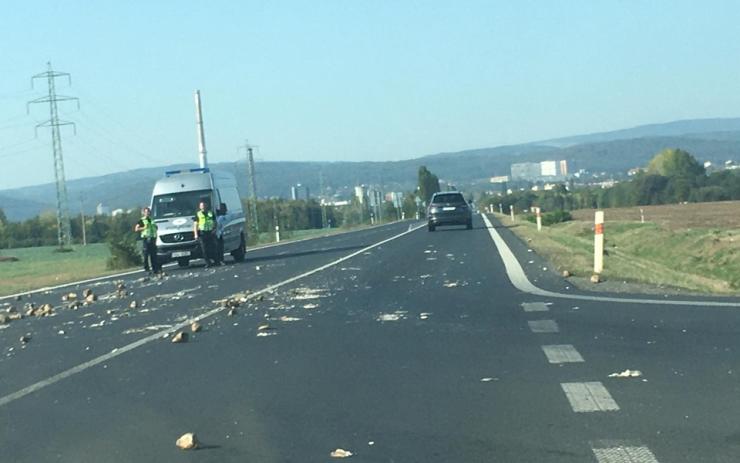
[416, 350]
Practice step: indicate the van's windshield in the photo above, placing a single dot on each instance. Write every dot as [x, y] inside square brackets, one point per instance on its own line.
[180, 204]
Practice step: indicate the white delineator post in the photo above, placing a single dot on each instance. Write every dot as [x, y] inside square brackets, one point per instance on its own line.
[599, 242]
[642, 215]
[537, 212]
[511, 210]
[500, 208]
[277, 233]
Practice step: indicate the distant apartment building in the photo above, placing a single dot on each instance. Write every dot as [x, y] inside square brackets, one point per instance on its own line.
[360, 193]
[499, 184]
[299, 191]
[102, 209]
[525, 171]
[535, 171]
[396, 197]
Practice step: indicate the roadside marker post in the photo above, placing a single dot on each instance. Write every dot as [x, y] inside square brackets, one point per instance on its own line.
[642, 215]
[511, 209]
[500, 208]
[538, 213]
[599, 242]
[277, 233]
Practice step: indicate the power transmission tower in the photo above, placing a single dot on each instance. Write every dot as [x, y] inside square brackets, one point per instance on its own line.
[252, 182]
[64, 228]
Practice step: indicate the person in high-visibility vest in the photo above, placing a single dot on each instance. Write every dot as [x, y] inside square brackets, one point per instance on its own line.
[148, 230]
[204, 229]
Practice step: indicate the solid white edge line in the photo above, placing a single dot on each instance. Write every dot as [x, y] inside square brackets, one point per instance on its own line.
[160, 334]
[519, 279]
[132, 272]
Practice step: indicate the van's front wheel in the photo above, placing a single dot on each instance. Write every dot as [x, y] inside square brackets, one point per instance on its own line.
[239, 253]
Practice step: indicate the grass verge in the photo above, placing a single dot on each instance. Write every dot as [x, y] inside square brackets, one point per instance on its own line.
[38, 267]
[704, 260]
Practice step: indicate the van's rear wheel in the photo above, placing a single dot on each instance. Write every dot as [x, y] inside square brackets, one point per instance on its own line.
[239, 253]
[183, 262]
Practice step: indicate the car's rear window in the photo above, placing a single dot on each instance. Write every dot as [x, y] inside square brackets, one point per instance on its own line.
[451, 198]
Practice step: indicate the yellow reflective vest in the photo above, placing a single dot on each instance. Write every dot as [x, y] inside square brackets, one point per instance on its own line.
[150, 228]
[206, 221]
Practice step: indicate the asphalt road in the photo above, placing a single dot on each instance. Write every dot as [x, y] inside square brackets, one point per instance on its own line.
[419, 349]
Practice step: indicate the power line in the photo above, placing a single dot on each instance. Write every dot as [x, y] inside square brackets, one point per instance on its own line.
[64, 228]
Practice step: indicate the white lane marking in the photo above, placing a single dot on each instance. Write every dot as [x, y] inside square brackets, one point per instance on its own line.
[624, 454]
[543, 326]
[252, 249]
[589, 397]
[166, 332]
[534, 307]
[519, 279]
[562, 353]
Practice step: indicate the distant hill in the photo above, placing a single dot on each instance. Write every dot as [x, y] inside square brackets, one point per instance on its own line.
[693, 127]
[470, 169]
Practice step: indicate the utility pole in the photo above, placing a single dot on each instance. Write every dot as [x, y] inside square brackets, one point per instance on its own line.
[64, 229]
[321, 199]
[252, 183]
[202, 153]
[82, 222]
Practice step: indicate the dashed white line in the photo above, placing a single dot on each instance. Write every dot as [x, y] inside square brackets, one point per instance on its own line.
[543, 326]
[589, 397]
[562, 353]
[624, 454]
[534, 307]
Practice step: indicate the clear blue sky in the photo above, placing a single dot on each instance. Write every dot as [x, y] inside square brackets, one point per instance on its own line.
[352, 80]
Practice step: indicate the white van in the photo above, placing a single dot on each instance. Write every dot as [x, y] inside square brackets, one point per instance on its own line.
[174, 203]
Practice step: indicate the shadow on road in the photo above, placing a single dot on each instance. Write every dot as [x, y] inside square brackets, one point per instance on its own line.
[288, 255]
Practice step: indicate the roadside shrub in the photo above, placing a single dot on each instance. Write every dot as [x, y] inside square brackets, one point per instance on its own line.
[124, 248]
[124, 253]
[550, 218]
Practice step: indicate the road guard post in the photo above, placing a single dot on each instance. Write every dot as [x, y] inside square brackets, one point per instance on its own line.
[599, 242]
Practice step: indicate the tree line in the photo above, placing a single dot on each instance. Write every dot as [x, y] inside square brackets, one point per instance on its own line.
[672, 176]
[289, 215]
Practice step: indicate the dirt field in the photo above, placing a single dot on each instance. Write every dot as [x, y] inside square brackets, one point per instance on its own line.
[723, 215]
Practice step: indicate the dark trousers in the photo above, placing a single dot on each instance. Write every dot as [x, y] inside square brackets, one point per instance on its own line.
[149, 250]
[220, 250]
[208, 246]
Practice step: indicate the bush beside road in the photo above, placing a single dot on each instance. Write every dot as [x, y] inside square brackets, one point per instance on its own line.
[665, 253]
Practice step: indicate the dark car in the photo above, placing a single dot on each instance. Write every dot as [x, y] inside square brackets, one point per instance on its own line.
[449, 208]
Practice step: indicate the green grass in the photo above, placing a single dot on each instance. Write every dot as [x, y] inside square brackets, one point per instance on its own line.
[41, 266]
[699, 259]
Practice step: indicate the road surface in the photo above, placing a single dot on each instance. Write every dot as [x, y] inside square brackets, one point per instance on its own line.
[394, 343]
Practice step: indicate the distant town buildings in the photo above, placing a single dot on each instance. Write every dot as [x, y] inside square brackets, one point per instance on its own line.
[299, 191]
[396, 197]
[102, 210]
[539, 171]
[360, 193]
